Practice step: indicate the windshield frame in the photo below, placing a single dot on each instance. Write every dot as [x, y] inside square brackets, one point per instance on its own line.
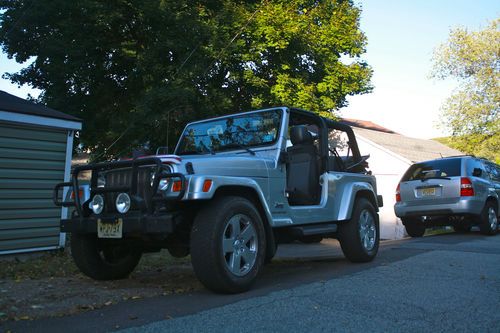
[254, 147]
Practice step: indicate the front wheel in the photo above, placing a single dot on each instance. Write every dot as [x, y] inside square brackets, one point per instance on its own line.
[359, 238]
[102, 260]
[488, 220]
[228, 245]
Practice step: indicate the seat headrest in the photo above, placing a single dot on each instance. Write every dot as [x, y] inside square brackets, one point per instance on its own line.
[300, 135]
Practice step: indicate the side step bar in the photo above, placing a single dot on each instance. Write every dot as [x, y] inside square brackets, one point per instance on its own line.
[315, 229]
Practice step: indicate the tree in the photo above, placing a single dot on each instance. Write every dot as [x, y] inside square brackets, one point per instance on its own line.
[136, 71]
[472, 112]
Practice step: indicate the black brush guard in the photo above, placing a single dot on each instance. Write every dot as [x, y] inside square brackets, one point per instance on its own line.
[146, 220]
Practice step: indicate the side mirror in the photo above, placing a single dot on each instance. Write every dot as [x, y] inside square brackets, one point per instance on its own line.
[477, 172]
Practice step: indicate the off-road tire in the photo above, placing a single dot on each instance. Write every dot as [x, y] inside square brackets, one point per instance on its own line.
[414, 227]
[103, 262]
[485, 224]
[350, 237]
[207, 254]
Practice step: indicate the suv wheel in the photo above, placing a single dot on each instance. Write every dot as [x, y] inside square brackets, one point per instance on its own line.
[414, 227]
[228, 245]
[359, 238]
[101, 261]
[488, 220]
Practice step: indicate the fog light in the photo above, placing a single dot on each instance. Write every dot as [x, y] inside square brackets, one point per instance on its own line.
[97, 204]
[123, 203]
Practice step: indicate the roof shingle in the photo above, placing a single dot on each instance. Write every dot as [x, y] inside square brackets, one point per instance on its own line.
[15, 104]
[413, 149]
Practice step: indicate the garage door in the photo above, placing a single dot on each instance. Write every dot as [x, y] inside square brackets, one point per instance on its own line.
[32, 161]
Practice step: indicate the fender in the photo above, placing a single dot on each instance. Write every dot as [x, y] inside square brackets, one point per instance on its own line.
[196, 182]
[350, 194]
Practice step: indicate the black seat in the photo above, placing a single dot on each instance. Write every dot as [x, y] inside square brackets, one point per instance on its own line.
[302, 169]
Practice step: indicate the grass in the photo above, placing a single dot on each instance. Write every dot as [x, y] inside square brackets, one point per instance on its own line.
[51, 264]
[60, 264]
[438, 231]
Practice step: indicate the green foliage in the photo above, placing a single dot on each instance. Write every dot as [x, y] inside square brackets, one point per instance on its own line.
[472, 112]
[475, 144]
[140, 70]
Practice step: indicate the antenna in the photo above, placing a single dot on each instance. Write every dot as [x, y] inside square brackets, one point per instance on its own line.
[168, 127]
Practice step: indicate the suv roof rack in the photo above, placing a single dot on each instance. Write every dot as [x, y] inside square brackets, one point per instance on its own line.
[464, 155]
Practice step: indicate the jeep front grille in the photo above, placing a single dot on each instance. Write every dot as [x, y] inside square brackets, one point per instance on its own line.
[123, 177]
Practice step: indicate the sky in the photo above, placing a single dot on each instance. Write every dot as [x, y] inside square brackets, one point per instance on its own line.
[401, 38]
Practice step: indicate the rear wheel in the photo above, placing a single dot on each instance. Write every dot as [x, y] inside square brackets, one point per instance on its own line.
[101, 260]
[488, 220]
[228, 245]
[414, 227]
[359, 238]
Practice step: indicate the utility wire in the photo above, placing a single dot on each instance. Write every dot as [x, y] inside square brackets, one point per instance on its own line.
[182, 65]
[235, 37]
[20, 17]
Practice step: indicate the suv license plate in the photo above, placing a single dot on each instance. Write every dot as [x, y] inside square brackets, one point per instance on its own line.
[109, 229]
[429, 191]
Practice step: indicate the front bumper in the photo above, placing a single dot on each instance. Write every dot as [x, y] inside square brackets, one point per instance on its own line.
[141, 224]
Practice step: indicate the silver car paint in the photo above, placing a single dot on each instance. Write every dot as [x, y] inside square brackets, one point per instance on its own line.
[264, 174]
[449, 199]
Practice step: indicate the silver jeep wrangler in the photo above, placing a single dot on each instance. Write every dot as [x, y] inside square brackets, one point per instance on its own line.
[235, 188]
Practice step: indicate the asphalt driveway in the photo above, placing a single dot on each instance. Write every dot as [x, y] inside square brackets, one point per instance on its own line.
[442, 283]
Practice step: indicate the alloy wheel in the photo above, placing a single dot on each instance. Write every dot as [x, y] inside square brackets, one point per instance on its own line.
[367, 230]
[240, 244]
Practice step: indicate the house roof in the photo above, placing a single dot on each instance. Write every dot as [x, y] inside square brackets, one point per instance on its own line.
[15, 104]
[413, 149]
[365, 124]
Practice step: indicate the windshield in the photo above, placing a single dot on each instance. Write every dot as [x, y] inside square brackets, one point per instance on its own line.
[234, 132]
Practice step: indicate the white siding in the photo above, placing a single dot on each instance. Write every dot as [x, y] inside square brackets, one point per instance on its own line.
[388, 168]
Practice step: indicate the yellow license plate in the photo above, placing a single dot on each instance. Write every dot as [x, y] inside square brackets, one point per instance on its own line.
[428, 191]
[110, 229]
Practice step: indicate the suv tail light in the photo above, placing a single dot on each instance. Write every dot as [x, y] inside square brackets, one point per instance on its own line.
[398, 194]
[466, 189]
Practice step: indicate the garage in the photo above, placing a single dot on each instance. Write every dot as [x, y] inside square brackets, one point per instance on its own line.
[35, 154]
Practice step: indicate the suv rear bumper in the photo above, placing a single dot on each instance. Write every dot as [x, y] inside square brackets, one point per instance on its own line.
[461, 207]
[144, 224]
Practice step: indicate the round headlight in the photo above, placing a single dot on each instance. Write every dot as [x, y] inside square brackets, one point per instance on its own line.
[97, 204]
[123, 203]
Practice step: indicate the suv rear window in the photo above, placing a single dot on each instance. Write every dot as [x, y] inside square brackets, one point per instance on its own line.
[433, 169]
